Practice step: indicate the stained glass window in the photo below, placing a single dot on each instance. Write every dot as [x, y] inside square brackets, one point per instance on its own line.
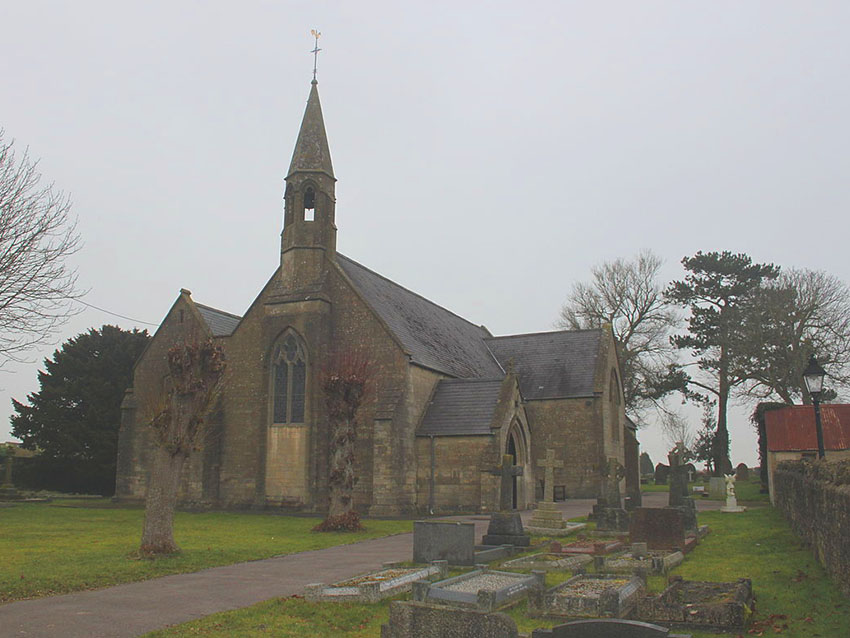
[289, 380]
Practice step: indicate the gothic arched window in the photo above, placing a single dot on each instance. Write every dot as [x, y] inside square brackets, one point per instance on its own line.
[289, 379]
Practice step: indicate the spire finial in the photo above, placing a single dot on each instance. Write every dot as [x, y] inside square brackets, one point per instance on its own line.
[316, 34]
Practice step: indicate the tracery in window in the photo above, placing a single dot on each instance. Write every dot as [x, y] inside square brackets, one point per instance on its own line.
[289, 379]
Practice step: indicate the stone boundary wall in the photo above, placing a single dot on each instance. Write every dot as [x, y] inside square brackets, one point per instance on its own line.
[815, 498]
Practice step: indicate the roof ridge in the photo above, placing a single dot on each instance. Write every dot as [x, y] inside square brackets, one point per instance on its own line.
[415, 294]
[542, 332]
[473, 380]
[224, 312]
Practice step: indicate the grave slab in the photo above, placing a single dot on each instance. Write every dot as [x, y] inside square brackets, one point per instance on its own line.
[588, 595]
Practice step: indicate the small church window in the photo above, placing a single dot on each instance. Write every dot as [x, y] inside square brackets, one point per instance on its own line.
[289, 380]
[309, 205]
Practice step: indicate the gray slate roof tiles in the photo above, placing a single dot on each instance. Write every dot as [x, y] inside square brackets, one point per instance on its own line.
[434, 337]
[551, 365]
[461, 406]
[221, 324]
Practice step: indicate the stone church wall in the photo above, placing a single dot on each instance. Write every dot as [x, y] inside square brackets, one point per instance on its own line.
[570, 427]
[385, 437]
[460, 480]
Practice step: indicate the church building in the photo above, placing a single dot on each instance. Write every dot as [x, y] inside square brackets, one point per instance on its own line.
[447, 398]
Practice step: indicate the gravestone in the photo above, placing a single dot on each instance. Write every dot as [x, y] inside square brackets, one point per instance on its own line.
[8, 491]
[451, 541]
[716, 487]
[608, 511]
[742, 472]
[679, 496]
[547, 519]
[606, 628]
[662, 473]
[421, 620]
[646, 466]
[658, 527]
[506, 525]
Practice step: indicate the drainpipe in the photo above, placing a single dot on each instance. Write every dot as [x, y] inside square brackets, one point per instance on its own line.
[432, 486]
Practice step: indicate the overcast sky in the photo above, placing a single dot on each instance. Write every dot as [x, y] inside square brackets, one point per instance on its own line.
[488, 154]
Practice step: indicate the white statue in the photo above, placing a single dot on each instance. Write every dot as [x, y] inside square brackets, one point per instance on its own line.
[730, 486]
[731, 499]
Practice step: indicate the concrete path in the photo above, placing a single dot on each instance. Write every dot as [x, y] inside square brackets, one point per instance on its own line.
[136, 608]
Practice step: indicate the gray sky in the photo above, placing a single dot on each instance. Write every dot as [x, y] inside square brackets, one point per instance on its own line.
[488, 154]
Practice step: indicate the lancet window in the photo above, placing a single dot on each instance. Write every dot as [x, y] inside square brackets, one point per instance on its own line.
[289, 379]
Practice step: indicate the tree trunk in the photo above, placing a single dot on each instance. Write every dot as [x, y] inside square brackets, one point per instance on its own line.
[342, 470]
[158, 533]
[721, 439]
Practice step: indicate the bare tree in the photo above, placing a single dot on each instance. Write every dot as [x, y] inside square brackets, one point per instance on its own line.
[801, 313]
[345, 386]
[627, 295]
[676, 429]
[196, 371]
[37, 236]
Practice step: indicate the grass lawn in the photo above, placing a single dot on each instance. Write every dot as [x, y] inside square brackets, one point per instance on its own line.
[794, 596]
[747, 491]
[66, 546]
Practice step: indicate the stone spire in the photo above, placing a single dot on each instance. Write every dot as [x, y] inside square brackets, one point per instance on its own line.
[312, 153]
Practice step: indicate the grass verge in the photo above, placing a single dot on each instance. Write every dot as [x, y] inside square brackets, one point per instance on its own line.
[61, 547]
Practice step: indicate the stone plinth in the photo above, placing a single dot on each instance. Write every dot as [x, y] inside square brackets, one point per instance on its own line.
[506, 529]
[732, 506]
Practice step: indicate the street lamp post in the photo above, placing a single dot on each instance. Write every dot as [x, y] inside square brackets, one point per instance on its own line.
[813, 376]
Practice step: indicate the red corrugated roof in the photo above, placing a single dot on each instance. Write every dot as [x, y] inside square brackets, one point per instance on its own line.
[793, 427]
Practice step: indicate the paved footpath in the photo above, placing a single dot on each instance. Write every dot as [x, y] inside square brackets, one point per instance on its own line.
[136, 608]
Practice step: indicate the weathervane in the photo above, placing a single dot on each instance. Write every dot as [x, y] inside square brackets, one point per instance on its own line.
[316, 34]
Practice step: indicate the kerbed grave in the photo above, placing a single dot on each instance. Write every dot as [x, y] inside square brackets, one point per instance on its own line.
[588, 595]
[701, 605]
[547, 561]
[482, 589]
[638, 559]
[372, 587]
[587, 546]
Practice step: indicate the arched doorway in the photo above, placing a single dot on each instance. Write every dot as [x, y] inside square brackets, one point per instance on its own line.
[516, 445]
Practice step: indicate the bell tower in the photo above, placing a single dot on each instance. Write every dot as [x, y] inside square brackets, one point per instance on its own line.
[308, 240]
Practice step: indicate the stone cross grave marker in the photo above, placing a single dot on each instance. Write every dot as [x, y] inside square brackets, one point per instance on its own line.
[549, 464]
[507, 471]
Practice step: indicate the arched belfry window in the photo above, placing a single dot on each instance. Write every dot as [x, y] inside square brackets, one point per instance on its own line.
[309, 204]
[289, 379]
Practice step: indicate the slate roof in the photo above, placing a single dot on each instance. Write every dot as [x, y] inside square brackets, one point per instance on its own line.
[551, 365]
[221, 324]
[461, 406]
[434, 337]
